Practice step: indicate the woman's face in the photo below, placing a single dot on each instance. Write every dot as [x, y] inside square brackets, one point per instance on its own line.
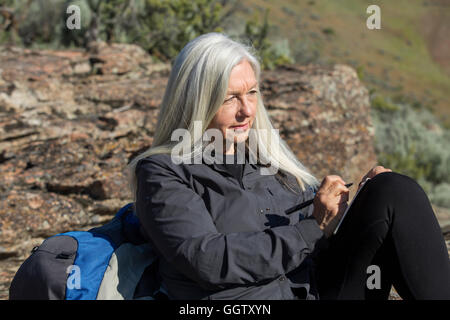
[238, 111]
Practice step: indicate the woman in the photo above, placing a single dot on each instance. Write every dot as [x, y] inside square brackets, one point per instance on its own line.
[221, 229]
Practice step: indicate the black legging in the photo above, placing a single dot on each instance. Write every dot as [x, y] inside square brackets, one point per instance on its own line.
[391, 224]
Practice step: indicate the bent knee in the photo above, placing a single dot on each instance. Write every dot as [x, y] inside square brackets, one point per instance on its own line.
[395, 184]
[393, 178]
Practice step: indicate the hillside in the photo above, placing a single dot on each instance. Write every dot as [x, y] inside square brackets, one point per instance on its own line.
[407, 60]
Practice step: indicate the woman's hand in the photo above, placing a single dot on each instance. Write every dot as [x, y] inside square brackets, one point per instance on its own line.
[330, 203]
[372, 173]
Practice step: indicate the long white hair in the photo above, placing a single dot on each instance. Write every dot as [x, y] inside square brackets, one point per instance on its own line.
[196, 89]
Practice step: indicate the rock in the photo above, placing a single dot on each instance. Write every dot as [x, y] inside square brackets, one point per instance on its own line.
[324, 118]
[7, 253]
[29, 213]
[117, 58]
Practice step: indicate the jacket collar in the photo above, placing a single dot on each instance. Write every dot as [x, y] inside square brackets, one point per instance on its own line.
[248, 167]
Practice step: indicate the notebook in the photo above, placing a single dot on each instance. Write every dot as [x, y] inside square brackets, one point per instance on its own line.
[345, 213]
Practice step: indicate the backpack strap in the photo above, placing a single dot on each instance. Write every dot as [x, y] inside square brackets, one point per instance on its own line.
[93, 256]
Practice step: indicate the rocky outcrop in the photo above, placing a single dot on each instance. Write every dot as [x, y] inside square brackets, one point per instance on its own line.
[324, 115]
[70, 121]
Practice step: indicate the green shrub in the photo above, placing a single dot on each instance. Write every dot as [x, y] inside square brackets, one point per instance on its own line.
[33, 21]
[161, 27]
[328, 31]
[360, 72]
[440, 195]
[406, 163]
[405, 143]
[379, 103]
[164, 27]
[271, 55]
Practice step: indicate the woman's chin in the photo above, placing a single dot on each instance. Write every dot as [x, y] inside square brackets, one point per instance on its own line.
[238, 137]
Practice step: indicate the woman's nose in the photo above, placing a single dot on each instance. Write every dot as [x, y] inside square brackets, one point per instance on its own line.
[245, 107]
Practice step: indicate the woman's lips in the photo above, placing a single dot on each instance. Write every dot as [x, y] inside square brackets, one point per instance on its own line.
[244, 126]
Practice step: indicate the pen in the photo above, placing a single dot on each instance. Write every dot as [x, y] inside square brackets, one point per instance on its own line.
[307, 203]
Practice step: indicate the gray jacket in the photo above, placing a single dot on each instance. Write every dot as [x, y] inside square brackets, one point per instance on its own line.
[220, 237]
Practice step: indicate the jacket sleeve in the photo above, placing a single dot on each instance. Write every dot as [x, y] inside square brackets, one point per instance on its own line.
[179, 225]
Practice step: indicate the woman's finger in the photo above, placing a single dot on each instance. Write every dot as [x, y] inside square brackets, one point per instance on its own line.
[342, 207]
[377, 170]
[344, 197]
[337, 189]
[329, 180]
[374, 171]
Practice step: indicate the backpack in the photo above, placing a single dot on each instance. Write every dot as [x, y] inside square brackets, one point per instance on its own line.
[109, 262]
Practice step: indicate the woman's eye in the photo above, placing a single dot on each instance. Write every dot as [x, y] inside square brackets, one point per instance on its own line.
[253, 92]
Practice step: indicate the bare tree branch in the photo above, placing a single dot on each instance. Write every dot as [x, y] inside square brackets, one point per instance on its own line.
[9, 19]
